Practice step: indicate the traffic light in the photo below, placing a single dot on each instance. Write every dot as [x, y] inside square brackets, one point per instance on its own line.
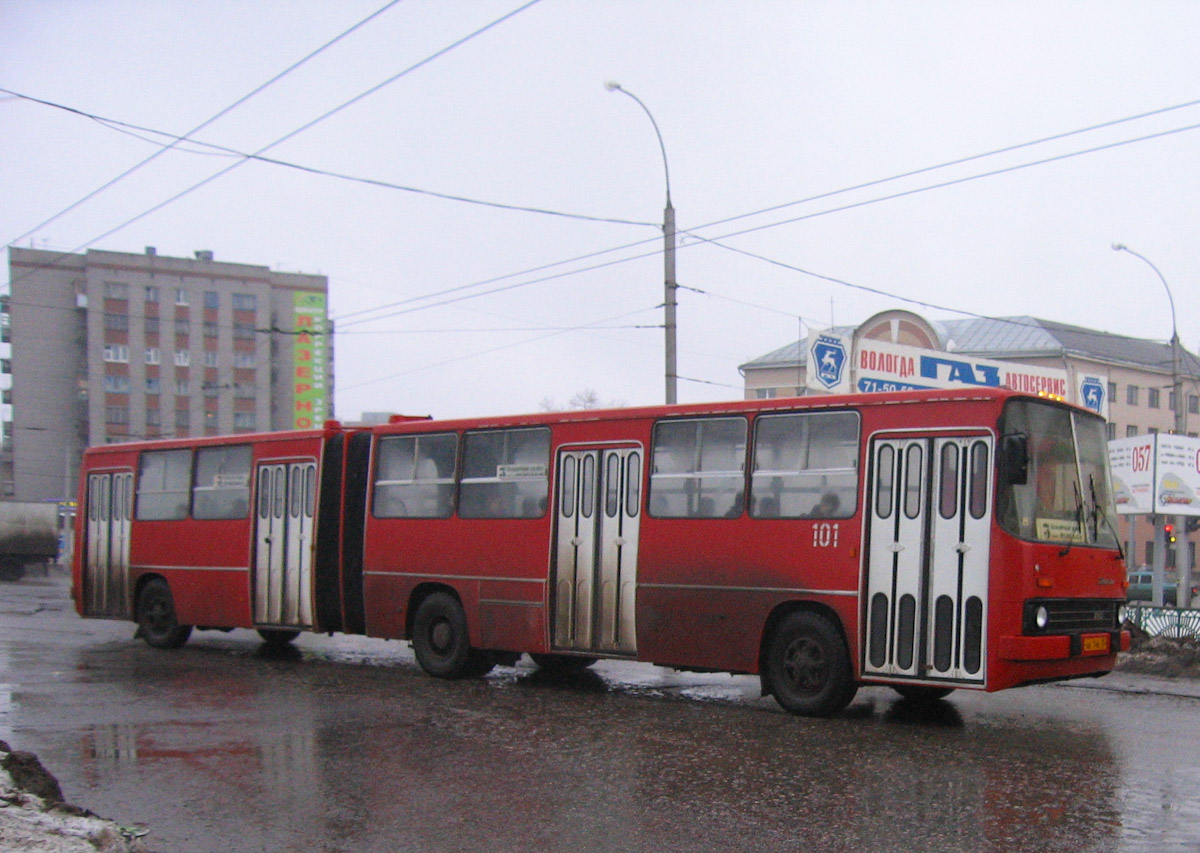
[1169, 530]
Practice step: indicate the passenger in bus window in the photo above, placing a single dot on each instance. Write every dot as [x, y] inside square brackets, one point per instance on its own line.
[827, 507]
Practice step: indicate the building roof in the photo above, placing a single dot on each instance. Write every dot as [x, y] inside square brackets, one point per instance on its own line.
[1023, 337]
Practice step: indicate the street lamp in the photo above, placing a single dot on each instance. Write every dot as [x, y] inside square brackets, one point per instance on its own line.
[1183, 588]
[668, 252]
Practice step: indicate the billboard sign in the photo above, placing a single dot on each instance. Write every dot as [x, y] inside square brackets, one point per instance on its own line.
[1156, 474]
[883, 366]
[310, 357]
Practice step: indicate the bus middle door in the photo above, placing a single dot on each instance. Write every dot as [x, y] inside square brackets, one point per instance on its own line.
[285, 507]
[594, 574]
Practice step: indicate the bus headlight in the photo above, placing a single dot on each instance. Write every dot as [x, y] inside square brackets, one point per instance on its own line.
[1041, 618]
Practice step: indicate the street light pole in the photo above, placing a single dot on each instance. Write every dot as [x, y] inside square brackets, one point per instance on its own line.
[669, 284]
[1183, 589]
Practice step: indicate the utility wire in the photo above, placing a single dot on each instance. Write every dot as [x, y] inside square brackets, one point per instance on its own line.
[329, 113]
[126, 127]
[490, 350]
[818, 197]
[179, 139]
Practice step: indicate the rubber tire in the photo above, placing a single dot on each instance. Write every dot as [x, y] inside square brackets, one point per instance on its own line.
[11, 570]
[808, 666]
[441, 642]
[277, 638]
[157, 623]
[922, 694]
[565, 664]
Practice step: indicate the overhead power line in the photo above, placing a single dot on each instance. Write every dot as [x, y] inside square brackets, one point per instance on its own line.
[273, 161]
[824, 195]
[328, 114]
[179, 139]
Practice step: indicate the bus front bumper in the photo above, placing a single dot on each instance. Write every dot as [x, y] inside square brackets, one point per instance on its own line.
[1064, 646]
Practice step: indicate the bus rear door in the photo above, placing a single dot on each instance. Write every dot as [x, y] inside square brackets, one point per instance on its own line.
[109, 509]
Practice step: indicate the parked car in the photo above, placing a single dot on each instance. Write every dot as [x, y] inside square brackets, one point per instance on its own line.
[1141, 588]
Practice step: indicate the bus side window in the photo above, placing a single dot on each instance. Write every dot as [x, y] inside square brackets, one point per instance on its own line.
[698, 468]
[505, 473]
[414, 477]
[222, 484]
[164, 485]
[805, 465]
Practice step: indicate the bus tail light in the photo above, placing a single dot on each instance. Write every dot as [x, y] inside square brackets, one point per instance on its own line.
[1045, 583]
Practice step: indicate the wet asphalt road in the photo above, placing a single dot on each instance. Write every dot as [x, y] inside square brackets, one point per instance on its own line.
[344, 745]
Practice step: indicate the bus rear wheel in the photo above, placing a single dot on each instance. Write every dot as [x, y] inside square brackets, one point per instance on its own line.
[157, 624]
[441, 643]
[807, 666]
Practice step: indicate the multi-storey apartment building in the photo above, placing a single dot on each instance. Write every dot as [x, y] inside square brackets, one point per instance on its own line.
[109, 346]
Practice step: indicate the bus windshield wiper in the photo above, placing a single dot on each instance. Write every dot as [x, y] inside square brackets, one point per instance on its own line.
[1099, 513]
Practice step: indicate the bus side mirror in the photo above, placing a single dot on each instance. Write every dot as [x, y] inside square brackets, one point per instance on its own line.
[1014, 459]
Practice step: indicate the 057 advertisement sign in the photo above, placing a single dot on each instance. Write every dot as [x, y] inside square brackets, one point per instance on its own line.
[1157, 474]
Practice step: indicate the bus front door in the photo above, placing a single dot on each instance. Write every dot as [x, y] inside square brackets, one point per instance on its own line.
[594, 575]
[283, 554]
[927, 561]
[109, 505]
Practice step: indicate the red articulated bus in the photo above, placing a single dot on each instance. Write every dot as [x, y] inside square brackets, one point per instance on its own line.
[926, 540]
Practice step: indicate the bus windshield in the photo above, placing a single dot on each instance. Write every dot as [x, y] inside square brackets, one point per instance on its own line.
[1065, 497]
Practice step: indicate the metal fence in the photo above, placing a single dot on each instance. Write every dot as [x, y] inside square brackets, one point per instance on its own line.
[1164, 621]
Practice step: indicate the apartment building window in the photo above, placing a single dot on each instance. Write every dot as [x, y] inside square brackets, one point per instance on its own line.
[116, 384]
[151, 325]
[243, 359]
[1112, 390]
[1152, 398]
[116, 290]
[153, 384]
[116, 322]
[1112, 430]
[183, 418]
[245, 302]
[151, 293]
[243, 331]
[181, 387]
[244, 391]
[117, 353]
[212, 300]
[152, 355]
[1131, 431]
[183, 326]
[116, 414]
[1171, 400]
[210, 329]
[1193, 404]
[153, 418]
[181, 296]
[210, 358]
[182, 358]
[243, 420]
[1131, 395]
[211, 389]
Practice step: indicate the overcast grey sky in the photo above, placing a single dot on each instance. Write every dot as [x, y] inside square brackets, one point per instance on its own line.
[760, 104]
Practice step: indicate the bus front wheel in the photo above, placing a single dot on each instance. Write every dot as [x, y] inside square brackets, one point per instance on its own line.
[808, 667]
[441, 642]
[157, 624]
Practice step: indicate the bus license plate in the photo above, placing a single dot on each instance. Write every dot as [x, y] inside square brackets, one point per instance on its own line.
[1097, 643]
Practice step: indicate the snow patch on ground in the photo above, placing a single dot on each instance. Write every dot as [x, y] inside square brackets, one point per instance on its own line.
[34, 818]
